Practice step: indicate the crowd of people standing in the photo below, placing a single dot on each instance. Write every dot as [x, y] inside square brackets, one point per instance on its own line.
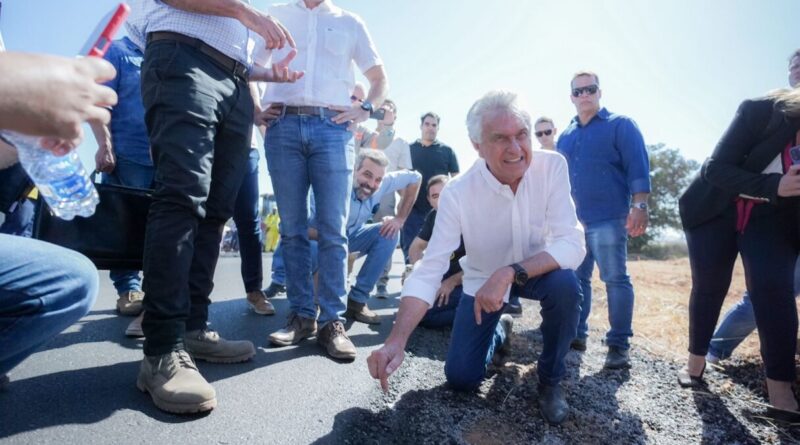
[173, 108]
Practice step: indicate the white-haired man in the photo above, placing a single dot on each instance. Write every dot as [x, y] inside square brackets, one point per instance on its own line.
[514, 211]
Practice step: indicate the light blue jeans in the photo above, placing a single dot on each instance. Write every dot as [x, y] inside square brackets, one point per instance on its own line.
[739, 322]
[44, 288]
[129, 174]
[606, 244]
[312, 152]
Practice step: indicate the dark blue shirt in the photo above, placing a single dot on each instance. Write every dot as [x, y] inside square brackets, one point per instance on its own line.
[128, 130]
[608, 164]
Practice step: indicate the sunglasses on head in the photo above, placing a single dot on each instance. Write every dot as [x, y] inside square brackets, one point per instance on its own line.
[547, 132]
[590, 89]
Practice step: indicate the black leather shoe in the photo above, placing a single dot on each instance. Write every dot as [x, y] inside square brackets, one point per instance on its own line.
[578, 344]
[274, 289]
[617, 358]
[552, 404]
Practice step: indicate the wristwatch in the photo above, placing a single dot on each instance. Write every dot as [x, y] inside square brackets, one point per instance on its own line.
[639, 205]
[520, 274]
[367, 106]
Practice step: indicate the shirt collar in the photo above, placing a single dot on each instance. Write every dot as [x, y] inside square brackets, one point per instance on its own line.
[325, 6]
[602, 114]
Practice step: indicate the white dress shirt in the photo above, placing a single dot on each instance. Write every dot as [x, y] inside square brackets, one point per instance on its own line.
[499, 227]
[329, 39]
[225, 34]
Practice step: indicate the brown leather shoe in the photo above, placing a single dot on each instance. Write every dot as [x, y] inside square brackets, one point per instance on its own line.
[258, 301]
[130, 302]
[296, 329]
[360, 312]
[334, 339]
[175, 384]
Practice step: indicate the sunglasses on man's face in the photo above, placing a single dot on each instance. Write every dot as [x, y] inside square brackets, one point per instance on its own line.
[547, 132]
[591, 89]
[354, 99]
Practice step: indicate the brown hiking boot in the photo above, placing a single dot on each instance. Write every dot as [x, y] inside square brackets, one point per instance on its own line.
[175, 384]
[205, 344]
[360, 312]
[258, 301]
[334, 339]
[130, 302]
[296, 329]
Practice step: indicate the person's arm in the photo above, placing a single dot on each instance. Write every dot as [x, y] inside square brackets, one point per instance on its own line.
[416, 250]
[378, 88]
[52, 96]
[8, 155]
[723, 169]
[448, 284]
[104, 159]
[269, 28]
[453, 170]
[385, 361]
[408, 195]
[636, 165]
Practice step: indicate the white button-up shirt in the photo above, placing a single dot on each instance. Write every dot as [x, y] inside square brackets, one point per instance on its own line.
[225, 34]
[499, 227]
[329, 40]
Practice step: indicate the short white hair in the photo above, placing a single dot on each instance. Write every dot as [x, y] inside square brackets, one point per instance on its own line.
[493, 102]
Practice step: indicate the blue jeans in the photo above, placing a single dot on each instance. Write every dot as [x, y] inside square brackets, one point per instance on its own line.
[278, 268]
[44, 288]
[248, 226]
[20, 221]
[312, 152]
[413, 224]
[472, 345]
[739, 322]
[378, 249]
[443, 316]
[606, 244]
[129, 174]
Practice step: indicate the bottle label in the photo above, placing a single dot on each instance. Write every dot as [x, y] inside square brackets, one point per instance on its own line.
[72, 187]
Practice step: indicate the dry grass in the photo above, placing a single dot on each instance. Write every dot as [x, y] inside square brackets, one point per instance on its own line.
[661, 314]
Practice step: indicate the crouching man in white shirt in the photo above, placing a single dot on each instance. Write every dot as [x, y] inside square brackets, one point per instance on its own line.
[514, 211]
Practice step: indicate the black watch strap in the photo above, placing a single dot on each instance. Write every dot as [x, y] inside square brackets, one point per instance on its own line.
[520, 274]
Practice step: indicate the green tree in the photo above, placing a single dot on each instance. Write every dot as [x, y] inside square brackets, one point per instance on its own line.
[670, 174]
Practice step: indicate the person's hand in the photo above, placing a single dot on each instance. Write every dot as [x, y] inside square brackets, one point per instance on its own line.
[489, 297]
[446, 288]
[275, 35]
[279, 73]
[268, 114]
[59, 146]
[637, 222]
[53, 96]
[391, 226]
[790, 183]
[354, 114]
[104, 159]
[385, 361]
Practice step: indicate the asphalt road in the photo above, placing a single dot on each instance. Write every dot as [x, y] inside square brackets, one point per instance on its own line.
[80, 388]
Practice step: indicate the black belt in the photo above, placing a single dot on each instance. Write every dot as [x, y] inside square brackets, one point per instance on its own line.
[311, 111]
[231, 65]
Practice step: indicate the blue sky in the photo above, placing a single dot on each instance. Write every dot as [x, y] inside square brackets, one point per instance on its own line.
[679, 68]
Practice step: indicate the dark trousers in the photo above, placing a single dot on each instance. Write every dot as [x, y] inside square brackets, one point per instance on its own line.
[248, 226]
[769, 247]
[414, 222]
[472, 345]
[199, 117]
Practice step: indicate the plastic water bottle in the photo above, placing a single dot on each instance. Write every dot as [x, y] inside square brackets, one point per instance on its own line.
[62, 180]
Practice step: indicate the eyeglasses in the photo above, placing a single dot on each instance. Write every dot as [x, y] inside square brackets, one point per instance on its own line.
[547, 132]
[590, 89]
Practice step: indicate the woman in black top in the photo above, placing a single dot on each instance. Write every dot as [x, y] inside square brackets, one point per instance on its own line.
[742, 202]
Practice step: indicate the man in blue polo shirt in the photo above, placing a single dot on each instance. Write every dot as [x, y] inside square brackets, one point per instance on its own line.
[610, 176]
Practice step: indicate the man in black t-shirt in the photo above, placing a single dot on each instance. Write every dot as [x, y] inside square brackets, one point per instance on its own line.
[430, 158]
[443, 312]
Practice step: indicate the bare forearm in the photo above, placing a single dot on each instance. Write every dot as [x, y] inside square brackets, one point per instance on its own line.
[408, 317]
[102, 134]
[378, 85]
[539, 264]
[407, 198]
[640, 197]
[416, 249]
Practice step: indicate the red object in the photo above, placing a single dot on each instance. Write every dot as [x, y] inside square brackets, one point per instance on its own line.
[101, 39]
